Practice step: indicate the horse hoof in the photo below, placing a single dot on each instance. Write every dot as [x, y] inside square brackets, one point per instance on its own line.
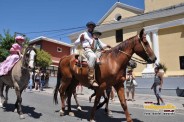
[71, 114]
[22, 116]
[61, 113]
[109, 113]
[79, 108]
[5, 102]
[129, 121]
[92, 120]
[15, 111]
[1, 105]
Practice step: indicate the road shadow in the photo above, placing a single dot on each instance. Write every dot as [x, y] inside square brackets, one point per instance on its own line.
[30, 111]
[100, 115]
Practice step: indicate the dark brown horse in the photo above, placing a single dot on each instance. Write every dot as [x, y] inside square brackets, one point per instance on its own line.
[111, 72]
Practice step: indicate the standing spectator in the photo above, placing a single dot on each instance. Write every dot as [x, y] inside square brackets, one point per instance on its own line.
[30, 85]
[46, 80]
[130, 88]
[112, 94]
[42, 81]
[94, 94]
[37, 79]
[157, 85]
[81, 88]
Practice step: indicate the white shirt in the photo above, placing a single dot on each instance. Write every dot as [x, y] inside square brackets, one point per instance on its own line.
[101, 43]
[88, 41]
[31, 58]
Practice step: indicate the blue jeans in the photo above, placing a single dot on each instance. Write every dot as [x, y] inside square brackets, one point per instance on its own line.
[157, 91]
[30, 84]
[42, 82]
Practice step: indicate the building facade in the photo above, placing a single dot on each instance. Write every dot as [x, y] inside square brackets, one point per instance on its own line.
[163, 22]
[55, 48]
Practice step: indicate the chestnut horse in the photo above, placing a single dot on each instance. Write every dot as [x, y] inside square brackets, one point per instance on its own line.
[111, 72]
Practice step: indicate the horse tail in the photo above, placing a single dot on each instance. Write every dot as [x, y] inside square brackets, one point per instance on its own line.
[59, 76]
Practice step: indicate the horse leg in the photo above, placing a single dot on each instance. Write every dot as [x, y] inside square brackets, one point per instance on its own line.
[63, 87]
[69, 95]
[94, 94]
[99, 93]
[120, 91]
[105, 100]
[76, 100]
[6, 91]
[18, 102]
[107, 111]
[70, 90]
[1, 94]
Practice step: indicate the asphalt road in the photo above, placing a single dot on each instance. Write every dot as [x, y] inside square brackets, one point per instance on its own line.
[39, 107]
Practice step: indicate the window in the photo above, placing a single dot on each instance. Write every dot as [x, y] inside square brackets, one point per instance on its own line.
[59, 49]
[119, 35]
[181, 62]
[37, 46]
[118, 17]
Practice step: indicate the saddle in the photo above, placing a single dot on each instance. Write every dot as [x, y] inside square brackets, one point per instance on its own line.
[81, 60]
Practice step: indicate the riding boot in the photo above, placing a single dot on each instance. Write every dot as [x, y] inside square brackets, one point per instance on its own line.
[91, 78]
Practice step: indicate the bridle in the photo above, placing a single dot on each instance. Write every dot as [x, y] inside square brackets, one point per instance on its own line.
[26, 58]
[137, 59]
[134, 58]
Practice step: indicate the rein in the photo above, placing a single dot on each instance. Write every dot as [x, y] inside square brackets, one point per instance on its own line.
[134, 58]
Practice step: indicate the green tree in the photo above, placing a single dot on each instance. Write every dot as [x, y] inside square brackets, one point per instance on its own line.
[6, 42]
[43, 59]
[3, 54]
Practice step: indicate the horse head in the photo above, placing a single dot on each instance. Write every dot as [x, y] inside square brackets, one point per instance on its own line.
[143, 49]
[29, 58]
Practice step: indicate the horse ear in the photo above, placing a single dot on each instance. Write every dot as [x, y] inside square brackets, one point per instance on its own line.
[141, 33]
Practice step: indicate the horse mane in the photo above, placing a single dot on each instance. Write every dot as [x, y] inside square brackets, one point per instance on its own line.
[121, 46]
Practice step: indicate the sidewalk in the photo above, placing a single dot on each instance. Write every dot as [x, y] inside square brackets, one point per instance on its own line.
[139, 102]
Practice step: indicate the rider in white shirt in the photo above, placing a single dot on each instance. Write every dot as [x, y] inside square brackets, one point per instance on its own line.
[86, 41]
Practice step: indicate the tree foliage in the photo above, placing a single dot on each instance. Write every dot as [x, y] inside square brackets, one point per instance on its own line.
[6, 42]
[3, 54]
[43, 59]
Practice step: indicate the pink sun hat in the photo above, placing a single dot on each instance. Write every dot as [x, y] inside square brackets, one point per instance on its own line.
[20, 38]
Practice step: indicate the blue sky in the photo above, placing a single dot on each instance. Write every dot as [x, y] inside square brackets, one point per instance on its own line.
[39, 16]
